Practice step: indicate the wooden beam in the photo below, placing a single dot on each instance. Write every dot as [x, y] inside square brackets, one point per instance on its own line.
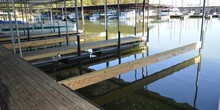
[35, 36]
[46, 42]
[98, 76]
[145, 81]
[72, 49]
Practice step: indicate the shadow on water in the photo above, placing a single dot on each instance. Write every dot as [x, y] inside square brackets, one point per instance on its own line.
[114, 94]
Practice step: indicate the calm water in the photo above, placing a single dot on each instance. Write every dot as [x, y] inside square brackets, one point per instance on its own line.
[176, 83]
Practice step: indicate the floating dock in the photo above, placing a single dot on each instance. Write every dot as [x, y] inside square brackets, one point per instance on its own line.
[98, 76]
[40, 54]
[24, 87]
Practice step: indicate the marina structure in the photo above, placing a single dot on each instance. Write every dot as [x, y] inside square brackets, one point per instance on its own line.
[61, 37]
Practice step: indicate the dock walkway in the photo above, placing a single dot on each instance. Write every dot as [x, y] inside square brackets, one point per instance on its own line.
[39, 54]
[24, 87]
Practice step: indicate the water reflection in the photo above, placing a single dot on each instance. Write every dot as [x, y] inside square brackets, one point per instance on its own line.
[166, 89]
[123, 92]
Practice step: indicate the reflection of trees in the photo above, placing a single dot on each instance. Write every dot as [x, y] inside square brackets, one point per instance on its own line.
[124, 95]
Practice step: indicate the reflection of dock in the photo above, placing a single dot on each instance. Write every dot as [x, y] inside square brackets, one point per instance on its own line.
[40, 54]
[98, 76]
[25, 87]
[130, 88]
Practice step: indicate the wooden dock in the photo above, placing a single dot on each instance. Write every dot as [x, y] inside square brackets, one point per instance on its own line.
[2, 39]
[98, 76]
[40, 54]
[24, 87]
[50, 41]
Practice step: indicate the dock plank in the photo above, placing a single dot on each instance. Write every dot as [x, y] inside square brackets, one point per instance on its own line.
[72, 49]
[46, 42]
[24, 87]
[30, 91]
[98, 76]
[46, 90]
[36, 36]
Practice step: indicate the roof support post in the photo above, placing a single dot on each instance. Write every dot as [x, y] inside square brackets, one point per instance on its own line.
[77, 29]
[11, 28]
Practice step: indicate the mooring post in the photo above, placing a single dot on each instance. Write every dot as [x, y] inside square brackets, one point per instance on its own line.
[119, 33]
[135, 26]
[106, 20]
[67, 29]
[17, 31]
[202, 25]
[11, 28]
[77, 29]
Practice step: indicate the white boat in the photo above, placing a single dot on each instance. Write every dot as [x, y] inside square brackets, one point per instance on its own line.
[111, 14]
[94, 16]
[72, 16]
[170, 11]
[127, 15]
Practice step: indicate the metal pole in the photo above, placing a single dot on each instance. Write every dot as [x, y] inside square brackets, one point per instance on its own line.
[58, 21]
[27, 23]
[202, 25]
[17, 31]
[83, 20]
[77, 29]
[148, 29]
[51, 17]
[106, 20]
[119, 33]
[31, 17]
[22, 12]
[135, 27]
[67, 29]
[143, 26]
[11, 28]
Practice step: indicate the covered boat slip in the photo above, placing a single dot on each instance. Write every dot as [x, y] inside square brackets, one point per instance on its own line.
[24, 87]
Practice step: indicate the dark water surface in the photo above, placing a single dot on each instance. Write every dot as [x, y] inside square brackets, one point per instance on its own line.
[181, 82]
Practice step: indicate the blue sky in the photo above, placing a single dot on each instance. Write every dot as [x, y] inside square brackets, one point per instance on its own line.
[186, 2]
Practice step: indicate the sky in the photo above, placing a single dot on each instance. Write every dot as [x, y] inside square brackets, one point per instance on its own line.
[186, 2]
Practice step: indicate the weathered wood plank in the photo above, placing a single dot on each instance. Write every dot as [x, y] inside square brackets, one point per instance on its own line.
[72, 49]
[28, 88]
[76, 99]
[98, 76]
[145, 81]
[34, 92]
[20, 102]
[2, 104]
[55, 98]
